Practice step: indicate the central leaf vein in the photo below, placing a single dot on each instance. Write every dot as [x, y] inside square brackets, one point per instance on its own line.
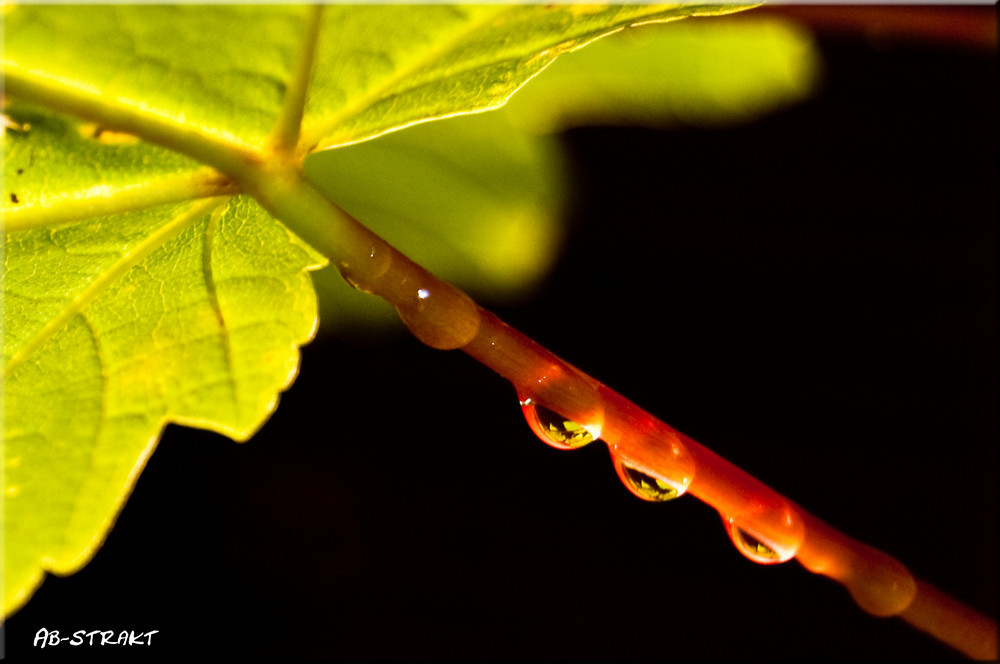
[100, 200]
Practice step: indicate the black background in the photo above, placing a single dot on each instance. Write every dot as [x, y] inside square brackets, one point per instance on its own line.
[812, 296]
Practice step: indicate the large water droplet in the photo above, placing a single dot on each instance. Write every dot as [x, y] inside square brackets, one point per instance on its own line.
[554, 429]
[880, 584]
[752, 546]
[439, 314]
[642, 485]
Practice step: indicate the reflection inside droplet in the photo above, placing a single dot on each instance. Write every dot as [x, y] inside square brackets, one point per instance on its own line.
[753, 547]
[554, 429]
[642, 485]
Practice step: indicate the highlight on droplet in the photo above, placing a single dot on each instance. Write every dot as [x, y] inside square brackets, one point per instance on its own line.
[555, 430]
[437, 313]
[755, 546]
[646, 487]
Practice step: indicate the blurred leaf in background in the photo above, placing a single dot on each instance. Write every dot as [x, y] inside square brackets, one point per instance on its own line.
[472, 198]
[481, 200]
[703, 73]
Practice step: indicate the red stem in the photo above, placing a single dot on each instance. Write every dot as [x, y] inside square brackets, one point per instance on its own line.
[444, 317]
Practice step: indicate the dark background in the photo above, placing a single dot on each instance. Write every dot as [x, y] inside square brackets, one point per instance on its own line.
[812, 296]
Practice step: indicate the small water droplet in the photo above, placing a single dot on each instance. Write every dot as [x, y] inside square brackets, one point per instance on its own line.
[439, 314]
[642, 485]
[364, 275]
[554, 429]
[752, 546]
[13, 491]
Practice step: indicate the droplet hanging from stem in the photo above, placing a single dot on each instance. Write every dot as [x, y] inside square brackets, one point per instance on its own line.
[752, 546]
[554, 429]
[642, 485]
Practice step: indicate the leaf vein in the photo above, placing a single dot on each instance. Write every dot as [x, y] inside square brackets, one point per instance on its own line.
[213, 297]
[91, 458]
[103, 200]
[101, 283]
[289, 125]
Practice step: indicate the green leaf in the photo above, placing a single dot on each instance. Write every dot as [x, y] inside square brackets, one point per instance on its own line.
[142, 284]
[114, 326]
[190, 313]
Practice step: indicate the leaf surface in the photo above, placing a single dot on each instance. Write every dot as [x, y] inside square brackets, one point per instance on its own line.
[58, 170]
[221, 70]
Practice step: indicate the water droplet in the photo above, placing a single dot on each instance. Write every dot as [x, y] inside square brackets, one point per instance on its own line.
[642, 485]
[364, 275]
[752, 546]
[13, 491]
[554, 429]
[880, 584]
[644, 443]
[439, 314]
